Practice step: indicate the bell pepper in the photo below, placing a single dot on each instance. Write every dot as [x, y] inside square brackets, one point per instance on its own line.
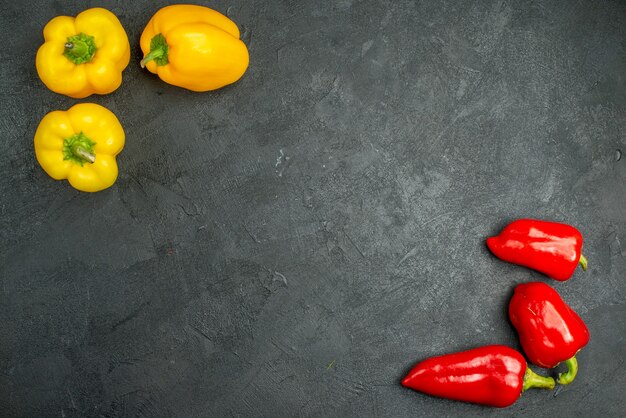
[550, 331]
[80, 145]
[549, 247]
[193, 47]
[494, 375]
[83, 55]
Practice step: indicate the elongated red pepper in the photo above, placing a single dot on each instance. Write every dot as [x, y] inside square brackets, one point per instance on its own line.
[549, 247]
[494, 375]
[549, 330]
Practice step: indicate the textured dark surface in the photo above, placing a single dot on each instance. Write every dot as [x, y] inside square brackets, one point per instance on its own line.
[291, 245]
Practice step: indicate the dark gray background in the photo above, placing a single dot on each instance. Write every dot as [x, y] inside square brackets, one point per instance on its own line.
[291, 245]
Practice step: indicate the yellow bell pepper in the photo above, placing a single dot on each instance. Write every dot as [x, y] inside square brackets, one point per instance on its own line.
[80, 145]
[83, 55]
[193, 47]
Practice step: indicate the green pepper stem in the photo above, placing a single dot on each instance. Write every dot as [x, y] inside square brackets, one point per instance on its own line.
[583, 262]
[158, 51]
[79, 149]
[80, 48]
[81, 152]
[155, 53]
[533, 380]
[76, 49]
[569, 376]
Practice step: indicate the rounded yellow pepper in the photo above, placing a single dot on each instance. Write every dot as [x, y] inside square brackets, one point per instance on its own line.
[83, 55]
[80, 145]
[193, 47]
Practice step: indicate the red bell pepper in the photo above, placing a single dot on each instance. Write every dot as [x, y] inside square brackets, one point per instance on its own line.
[549, 247]
[494, 375]
[549, 330]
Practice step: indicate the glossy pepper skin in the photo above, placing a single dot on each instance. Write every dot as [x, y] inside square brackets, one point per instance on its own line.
[494, 375]
[550, 331]
[80, 145]
[193, 47]
[551, 248]
[83, 55]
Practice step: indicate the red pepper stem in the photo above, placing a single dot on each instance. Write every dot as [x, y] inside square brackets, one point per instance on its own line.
[583, 262]
[533, 380]
[569, 376]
